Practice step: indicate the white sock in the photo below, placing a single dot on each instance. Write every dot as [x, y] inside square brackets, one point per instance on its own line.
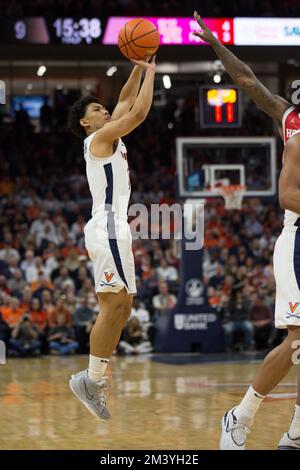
[294, 430]
[248, 407]
[97, 367]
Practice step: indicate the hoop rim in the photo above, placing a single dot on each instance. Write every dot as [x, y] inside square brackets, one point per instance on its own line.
[231, 189]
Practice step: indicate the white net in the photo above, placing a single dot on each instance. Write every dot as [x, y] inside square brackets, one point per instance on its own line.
[233, 195]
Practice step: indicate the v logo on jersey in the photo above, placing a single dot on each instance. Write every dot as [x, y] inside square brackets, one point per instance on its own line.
[109, 276]
[294, 306]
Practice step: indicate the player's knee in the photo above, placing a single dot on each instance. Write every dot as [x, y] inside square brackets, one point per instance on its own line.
[118, 314]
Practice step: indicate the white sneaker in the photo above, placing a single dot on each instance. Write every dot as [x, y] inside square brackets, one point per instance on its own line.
[287, 443]
[234, 434]
[90, 393]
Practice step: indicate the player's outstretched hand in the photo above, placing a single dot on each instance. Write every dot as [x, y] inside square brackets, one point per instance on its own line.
[148, 64]
[205, 34]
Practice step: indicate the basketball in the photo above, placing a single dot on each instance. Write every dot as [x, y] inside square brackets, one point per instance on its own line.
[138, 39]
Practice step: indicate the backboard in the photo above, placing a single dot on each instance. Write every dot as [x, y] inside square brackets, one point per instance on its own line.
[203, 162]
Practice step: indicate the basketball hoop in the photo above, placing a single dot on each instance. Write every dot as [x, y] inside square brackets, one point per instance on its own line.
[233, 195]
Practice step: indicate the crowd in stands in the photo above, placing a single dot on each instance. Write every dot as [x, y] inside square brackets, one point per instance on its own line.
[102, 8]
[47, 298]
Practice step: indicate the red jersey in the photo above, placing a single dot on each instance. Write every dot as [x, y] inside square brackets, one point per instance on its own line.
[290, 123]
[290, 127]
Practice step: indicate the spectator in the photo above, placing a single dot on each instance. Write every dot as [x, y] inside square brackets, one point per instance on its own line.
[46, 116]
[38, 316]
[166, 272]
[60, 338]
[64, 279]
[164, 301]
[217, 280]
[69, 298]
[81, 318]
[236, 318]
[43, 284]
[133, 339]
[47, 302]
[211, 263]
[87, 288]
[139, 311]
[28, 262]
[13, 313]
[16, 284]
[26, 297]
[8, 252]
[80, 276]
[33, 273]
[59, 309]
[42, 225]
[262, 320]
[24, 338]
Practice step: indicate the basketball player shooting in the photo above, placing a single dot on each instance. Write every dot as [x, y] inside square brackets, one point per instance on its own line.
[237, 422]
[107, 234]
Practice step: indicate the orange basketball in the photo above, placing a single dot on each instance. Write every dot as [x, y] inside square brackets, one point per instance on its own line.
[138, 39]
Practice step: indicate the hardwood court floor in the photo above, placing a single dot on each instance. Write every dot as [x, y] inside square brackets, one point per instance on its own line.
[154, 405]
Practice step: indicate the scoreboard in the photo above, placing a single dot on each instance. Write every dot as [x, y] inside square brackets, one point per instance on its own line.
[177, 31]
[220, 106]
[104, 31]
[40, 30]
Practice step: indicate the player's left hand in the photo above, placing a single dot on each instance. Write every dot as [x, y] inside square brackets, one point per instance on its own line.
[147, 64]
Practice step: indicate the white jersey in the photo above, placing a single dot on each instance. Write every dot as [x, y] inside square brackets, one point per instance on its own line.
[108, 180]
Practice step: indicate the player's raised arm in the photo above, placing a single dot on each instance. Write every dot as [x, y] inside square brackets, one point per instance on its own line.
[128, 93]
[289, 181]
[138, 113]
[271, 104]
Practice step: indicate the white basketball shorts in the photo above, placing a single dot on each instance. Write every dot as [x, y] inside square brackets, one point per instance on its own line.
[287, 276]
[109, 245]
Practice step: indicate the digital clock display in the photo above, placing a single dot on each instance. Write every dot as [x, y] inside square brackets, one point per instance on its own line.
[39, 30]
[83, 30]
[219, 106]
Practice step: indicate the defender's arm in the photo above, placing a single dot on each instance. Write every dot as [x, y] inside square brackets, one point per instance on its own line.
[273, 105]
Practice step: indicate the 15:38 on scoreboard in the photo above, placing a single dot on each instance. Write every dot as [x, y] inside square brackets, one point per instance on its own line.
[220, 106]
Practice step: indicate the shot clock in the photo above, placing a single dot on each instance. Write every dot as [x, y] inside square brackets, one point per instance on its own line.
[220, 106]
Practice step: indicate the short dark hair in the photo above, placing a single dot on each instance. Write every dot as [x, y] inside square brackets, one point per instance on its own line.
[77, 112]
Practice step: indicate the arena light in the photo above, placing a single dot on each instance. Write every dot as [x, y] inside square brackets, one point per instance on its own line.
[41, 70]
[217, 78]
[111, 71]
[167, 81]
